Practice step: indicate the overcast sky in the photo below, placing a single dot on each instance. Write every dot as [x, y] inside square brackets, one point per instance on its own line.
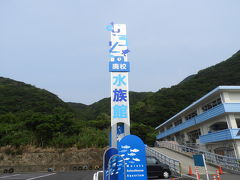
[62, 45]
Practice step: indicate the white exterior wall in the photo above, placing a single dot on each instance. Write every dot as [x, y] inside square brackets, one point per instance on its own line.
[227, 144]
[175, 138]
[225, 97]
[237, 148]
[199, 110]
[231, 97]
[231, 121]
[186, 138]
[205, 126]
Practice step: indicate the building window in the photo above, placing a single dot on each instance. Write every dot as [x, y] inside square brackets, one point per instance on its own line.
[191, 115]
[194, 135]
[238, 122]
[218, 126]
[161, 131]
[212, 104]
[225, 151]
[169, 126]
[178, 122]
[168, 138]
[180, 138]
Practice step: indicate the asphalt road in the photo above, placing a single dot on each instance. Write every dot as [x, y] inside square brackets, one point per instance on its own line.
[78, 175]
[82, 175]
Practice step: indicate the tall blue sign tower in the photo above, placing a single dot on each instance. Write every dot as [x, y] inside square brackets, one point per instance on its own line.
[119, 68]
[129, 159]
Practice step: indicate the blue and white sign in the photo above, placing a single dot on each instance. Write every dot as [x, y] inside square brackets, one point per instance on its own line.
[119, 68]
[106, 157]
[198, 160]
[132, 149]
[116, 169]
[119, 64]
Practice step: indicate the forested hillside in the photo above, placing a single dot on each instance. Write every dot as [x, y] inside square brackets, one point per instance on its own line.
[20, 97]
[168, 101]
[148, 110]
[33, 116]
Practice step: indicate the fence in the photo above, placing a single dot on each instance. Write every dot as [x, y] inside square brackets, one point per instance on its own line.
[96, 175]
[174, 165]
[226, 162]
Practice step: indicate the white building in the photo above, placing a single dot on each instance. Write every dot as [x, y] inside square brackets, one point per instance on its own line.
[213, 122]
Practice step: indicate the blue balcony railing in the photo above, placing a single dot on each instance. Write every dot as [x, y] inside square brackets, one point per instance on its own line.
[232, 107]
[175, 129]
[216, 111]
[223, 135]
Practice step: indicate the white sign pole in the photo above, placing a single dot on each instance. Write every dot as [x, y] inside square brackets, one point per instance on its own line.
[119, 68]
[205, 166]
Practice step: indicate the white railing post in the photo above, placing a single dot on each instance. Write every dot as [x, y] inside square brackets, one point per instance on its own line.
[95, 176]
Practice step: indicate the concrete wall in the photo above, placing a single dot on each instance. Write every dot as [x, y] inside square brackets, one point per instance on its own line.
[225, 144]
[205, 126]
[237, 148]
[231, 120]
[231, 97]
[59, 159]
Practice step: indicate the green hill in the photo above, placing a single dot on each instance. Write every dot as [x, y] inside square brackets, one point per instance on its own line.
[148, 110]
[17, 96]
[168, 101]
[33, 116]
[92, 111]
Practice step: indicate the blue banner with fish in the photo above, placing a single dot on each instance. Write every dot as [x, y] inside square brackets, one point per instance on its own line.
[132, 149]
[106, 157]
[116, 168]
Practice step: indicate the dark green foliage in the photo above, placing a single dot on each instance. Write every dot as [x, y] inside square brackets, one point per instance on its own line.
[146, 133]
[151, 109]
[32, 116]
[168, 101]
[77, 108]
[20, 97]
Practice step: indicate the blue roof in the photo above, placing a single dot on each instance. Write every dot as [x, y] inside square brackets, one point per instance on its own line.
[219, 88]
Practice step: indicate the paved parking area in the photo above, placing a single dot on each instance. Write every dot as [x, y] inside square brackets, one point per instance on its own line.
[80, 175]
[26, 176]
[85, 175]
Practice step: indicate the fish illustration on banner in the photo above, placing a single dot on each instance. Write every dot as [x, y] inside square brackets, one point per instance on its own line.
[132, 149]
[116, 168]
[106, 157]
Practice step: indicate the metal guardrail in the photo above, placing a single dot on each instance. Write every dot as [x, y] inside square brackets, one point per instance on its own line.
[226, 162]
[96, 175]
[174, 165]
